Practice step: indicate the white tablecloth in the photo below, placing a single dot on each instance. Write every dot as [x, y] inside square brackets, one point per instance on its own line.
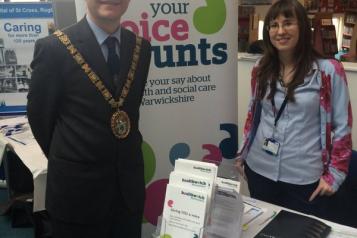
[30, 153]
[257, 224]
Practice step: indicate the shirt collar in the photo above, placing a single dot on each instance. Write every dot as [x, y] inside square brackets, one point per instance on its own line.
[99, 33]
[311, 73]
[315, 66]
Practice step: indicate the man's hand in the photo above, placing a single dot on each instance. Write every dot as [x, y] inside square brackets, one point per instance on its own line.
[323, 189]
[240, 167]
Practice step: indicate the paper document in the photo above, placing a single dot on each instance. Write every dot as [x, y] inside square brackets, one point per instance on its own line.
[17, 130]
[228, 183]
[251, 213]
[184, 212]
[226, 217]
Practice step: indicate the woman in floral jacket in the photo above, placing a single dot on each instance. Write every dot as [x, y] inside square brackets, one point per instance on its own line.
[297, 136]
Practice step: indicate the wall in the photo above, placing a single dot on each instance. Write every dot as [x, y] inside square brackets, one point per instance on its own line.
[64, 13]
[80, 9]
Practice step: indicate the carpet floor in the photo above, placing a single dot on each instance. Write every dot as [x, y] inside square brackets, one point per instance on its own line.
[6, 231]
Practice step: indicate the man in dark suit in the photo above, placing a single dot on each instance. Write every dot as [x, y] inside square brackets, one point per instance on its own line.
[84, 112]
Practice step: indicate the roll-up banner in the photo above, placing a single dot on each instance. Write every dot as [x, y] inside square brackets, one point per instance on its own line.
[21, 24]
[189, 108]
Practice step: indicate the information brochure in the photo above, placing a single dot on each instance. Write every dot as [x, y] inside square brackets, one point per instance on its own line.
[227, 214]
[251, 213]
[228, 184]
[184, 212]
[201, 169]
[198, 168]
[188, 199]
[195, 182]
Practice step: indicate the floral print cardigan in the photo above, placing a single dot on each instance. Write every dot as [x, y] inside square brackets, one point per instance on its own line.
[336, 121]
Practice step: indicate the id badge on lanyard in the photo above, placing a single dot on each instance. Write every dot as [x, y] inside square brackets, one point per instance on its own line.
[270, 145]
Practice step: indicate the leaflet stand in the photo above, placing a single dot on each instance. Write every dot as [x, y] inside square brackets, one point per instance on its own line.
[228, 171]
[225, 219]
[226, 216]
[226, 213]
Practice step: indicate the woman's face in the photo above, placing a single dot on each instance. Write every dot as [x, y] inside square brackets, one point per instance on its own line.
[284, 34]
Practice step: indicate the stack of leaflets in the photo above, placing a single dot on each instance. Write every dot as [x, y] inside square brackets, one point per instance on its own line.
[228, 184]
[226, 216]
[227, 210]
[188, 199]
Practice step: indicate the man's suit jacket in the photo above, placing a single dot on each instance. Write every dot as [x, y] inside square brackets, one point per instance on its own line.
[87, 166]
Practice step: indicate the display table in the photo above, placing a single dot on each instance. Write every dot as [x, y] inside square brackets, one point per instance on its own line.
[270, 210]
[254, 226]
[23, 144]
[29, 152]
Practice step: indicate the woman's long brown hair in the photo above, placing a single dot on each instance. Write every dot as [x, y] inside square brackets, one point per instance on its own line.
[304, 55]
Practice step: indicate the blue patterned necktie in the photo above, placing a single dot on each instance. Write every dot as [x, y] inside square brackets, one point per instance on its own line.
[113, 58]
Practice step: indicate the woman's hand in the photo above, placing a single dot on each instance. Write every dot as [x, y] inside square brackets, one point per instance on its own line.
[240, 167]
[322, 189]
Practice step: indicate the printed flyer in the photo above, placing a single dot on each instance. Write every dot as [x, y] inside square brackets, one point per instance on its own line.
[184, 212]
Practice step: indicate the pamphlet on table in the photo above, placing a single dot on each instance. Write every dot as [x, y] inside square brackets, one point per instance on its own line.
[188, 199]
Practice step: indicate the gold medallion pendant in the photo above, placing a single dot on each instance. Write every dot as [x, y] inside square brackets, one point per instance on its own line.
[120, 124]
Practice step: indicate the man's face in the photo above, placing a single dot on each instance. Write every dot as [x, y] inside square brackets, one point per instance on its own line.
[107, 10]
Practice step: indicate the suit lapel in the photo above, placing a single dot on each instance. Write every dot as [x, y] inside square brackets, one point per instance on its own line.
[86, 43]
[126, 54]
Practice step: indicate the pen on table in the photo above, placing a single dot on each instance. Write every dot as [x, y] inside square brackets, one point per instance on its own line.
[269, 218]
[18, 141]
[17, 125]
[245, 226]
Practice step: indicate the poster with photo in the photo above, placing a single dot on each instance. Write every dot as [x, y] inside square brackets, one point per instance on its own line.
[21, 25]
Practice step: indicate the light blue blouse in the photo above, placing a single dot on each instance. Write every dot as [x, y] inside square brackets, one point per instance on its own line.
[298, 131]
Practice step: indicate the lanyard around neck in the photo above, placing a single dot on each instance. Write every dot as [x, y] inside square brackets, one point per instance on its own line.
[277, 117]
